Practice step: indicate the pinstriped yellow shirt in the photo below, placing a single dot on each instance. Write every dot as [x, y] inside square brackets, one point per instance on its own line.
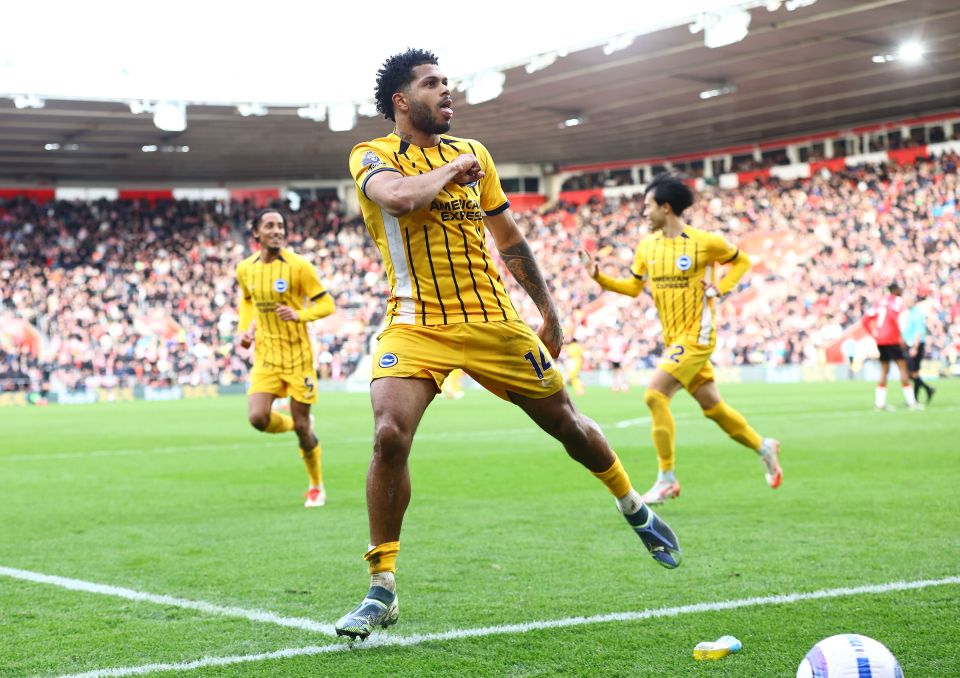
[289, 280]
[674, 267]
[437, 262]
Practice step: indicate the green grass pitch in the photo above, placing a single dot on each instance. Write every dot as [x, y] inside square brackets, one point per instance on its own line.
[184, 499]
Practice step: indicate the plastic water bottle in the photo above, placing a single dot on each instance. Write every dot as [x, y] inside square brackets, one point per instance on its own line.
[718, 649]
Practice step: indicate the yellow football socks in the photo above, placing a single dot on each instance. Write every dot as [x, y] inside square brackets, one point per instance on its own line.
[734, 424]
[311, 460]
[279, 423]
[664, 429]
[615, 478]
[382, 558]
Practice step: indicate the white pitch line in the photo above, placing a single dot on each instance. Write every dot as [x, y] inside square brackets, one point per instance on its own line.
[383, 639]
[301, 623]
[627, 423]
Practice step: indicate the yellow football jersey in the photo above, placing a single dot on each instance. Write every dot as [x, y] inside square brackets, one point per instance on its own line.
[674, 269]
[289, 280]
[437, 262]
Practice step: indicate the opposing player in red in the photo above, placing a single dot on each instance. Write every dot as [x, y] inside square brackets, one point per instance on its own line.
[883, 324]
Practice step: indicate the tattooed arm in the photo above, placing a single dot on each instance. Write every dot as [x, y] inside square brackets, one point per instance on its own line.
[516, 254]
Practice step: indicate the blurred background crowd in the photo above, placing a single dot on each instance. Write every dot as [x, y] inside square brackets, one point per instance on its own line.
[112, 293]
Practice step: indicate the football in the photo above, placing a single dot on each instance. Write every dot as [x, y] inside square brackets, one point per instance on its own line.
[849, 655]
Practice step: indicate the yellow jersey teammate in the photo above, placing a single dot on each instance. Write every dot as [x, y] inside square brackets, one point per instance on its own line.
[681, 262]
[275, 283]
[574, 366]
[427, 198]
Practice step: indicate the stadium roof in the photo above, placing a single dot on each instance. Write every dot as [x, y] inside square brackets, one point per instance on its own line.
[795, 73]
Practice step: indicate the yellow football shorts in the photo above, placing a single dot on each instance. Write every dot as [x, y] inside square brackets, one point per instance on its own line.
[301, 385]
[688, 363]
[504, 356]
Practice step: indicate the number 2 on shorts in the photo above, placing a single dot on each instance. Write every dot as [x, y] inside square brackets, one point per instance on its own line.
[677, 352]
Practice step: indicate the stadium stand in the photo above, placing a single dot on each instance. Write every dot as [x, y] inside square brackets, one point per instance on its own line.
[115, 293]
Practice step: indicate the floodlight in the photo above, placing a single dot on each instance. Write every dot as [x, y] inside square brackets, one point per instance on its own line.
[247, 110]
[314, 112]
[911, 51]
[343, 117]
[170, 116]
[725, 27]
[617, 43]
[28, 101]
[368, 109]
[138, 106]
[484, 86]
[719, 91]
[541, 61]
[573, 121]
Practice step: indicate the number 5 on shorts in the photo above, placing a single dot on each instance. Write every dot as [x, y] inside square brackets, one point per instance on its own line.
[540, 367]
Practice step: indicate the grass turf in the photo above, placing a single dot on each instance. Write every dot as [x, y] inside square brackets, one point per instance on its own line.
[185, 499]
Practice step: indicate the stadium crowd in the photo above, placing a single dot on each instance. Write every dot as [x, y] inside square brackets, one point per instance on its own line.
[823, 248]
[134, 292]
[137, 292]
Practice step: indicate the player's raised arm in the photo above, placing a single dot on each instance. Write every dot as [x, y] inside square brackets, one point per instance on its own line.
[518, 257]
[631, 286]
[400, 195]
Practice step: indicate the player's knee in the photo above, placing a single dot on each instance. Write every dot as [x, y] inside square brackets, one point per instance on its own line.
[302, 428]
[260, 420]
[711, 412]
[653, 399]
[391, 439]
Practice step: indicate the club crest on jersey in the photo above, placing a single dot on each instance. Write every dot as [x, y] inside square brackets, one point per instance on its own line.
[684, 262]
[280, 285]
[388, 360]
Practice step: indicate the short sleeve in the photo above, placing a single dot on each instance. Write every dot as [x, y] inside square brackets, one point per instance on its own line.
[312, 288]
[720, 249]
[493, 200]
[366, 160]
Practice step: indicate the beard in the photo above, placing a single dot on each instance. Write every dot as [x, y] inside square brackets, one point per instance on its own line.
[422, 117]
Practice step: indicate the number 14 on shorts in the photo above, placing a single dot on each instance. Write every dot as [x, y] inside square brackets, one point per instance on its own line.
[540, 366]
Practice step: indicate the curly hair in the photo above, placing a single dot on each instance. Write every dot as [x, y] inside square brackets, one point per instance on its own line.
[395, 74]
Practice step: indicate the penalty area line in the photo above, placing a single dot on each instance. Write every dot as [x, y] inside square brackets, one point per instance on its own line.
[384, 639]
